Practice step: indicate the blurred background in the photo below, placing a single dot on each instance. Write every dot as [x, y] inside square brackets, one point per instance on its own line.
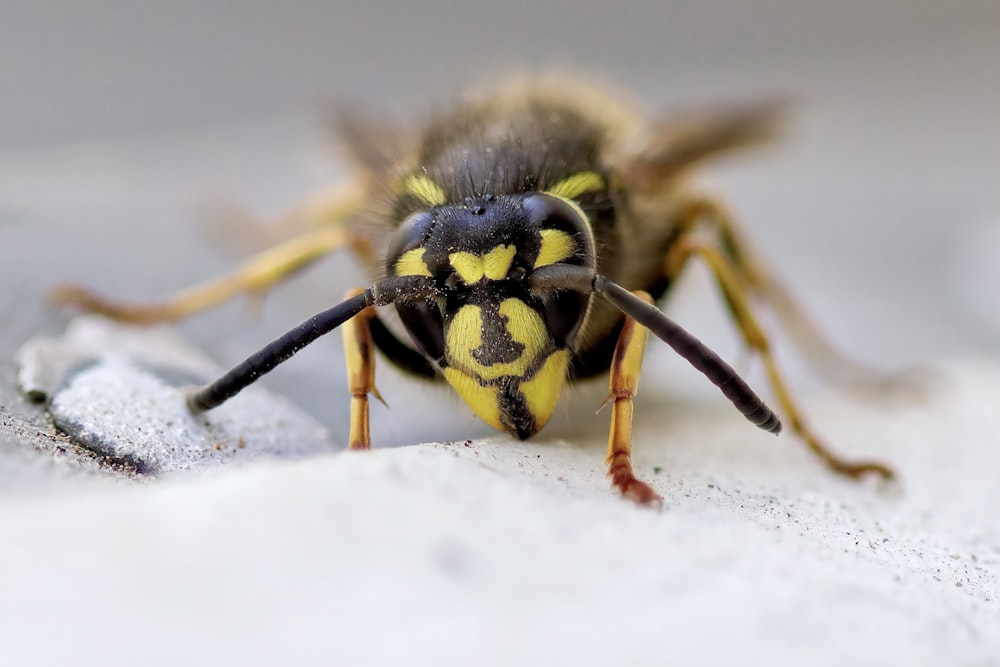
[103, 68]
[120, 120]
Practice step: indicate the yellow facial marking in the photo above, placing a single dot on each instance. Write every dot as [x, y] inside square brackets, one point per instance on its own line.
[542, 391]
[411, 263]
[577, 184]
[527, 328]
[469, 267]
[482, 400]
[465, 335]
[494, 265]
[424, 189]
[556, 246]
[465, 331]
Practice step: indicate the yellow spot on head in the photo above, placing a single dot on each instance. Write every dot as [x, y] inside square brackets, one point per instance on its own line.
[482, 400]
[469, 267]
[556, 246]
[542, 391]
[411, 263]
[494, 265]
[573, 186]
[424, 189]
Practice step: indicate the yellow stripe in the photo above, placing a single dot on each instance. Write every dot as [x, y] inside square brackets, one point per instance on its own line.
[573, 186]
[411, 263]
[424, 189]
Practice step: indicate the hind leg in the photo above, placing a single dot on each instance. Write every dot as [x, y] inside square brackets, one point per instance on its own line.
[735, 291]
[759, 283]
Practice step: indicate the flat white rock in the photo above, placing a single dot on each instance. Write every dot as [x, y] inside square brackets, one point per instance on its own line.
[119, 391]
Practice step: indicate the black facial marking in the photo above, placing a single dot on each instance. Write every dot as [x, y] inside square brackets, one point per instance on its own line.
[498, 347]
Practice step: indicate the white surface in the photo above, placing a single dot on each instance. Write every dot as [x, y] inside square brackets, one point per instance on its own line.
[518, 553]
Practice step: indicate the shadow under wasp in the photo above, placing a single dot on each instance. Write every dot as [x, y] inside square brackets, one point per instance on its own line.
[516, 243]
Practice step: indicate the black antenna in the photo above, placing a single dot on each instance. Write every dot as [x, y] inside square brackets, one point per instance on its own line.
[404, 288]
[559, 276]
[721, 374]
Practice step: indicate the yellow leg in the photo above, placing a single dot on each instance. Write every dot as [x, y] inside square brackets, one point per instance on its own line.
[735, 292]
[231, 226]
[623, 385]
[359, 354]
[759, 282]
[257, 275]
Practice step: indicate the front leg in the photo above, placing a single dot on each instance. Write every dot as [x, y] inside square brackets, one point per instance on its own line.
[623, 385]
[359, 354]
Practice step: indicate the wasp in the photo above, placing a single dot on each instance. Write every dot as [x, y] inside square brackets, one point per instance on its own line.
[518, 242]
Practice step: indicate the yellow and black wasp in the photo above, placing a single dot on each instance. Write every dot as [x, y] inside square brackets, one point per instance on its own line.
[517, 243]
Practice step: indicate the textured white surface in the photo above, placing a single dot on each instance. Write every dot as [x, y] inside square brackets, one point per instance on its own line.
[119, 391]
[500, 553]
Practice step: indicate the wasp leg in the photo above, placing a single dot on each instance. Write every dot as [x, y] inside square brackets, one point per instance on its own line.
[735, 294]
[623, 386]
[257, 275]
[230, 226]
[822, 355]
[359, 354]
[399, 353]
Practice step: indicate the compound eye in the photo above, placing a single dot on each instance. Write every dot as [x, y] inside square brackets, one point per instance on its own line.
[564, 228]
[412, 233]
[550, 212]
